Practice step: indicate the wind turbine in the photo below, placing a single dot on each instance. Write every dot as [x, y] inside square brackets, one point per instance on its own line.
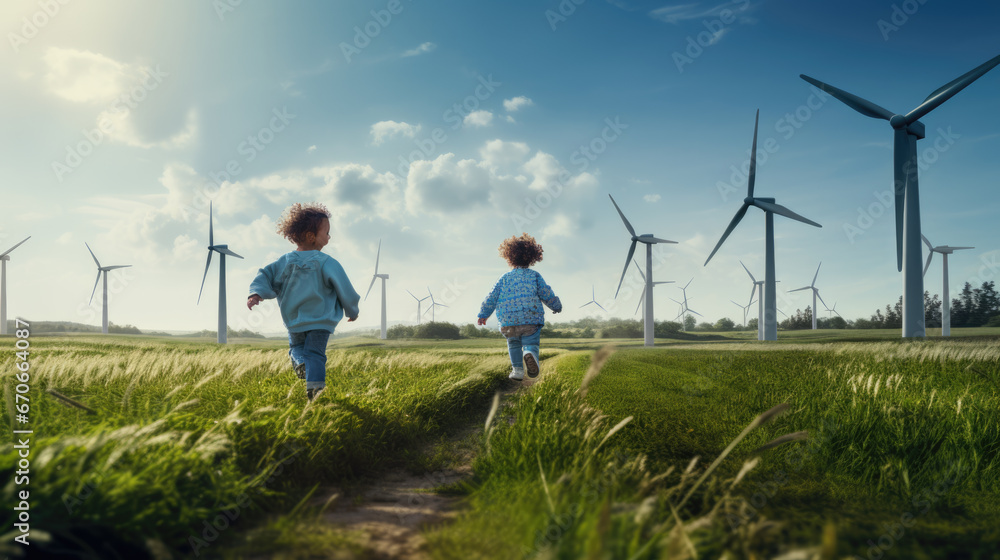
[649, 241]
[433, 303]
[642, 296]
[384, 277]
[832, 310]
[3, 285]
[100, 269]
[770, 209]
[684, 305]
[945, 294]
[745, 308]
[907, 130]
[758, 286]
[222, 250]
[419, 300]
[815, 291]
[593, 299]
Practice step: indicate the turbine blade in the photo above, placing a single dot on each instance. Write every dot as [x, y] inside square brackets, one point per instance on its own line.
[95, 286]
[601, 306]
[689, 310]
[116, 266]
[781, 210]
[799, 289]
[732, 225]
[628, 226]
[370, 286]
[675, 301]
[863, 106]
[945, 92]
[960, 248]
[927, 242]
[641, 297]
[226, 251]
[753, 157]
[92, 255]
[631, 251]
[927, 264]
[748, 272]
[686, 286]
[586, 304]
[817, 274]
[637, 267]
[204, 276]
[740, 305]
[441, 304]
[658, 240]
[211, 236]
[377, 255]
[820, 299]
[5, 253]
[901, 159]
[411, 295]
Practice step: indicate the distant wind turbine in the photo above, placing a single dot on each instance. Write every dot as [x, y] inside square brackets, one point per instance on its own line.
[684, 305]
[832, 310]
[907, 130]
[593, 300]
[649, 241]
[770, 209]
[745, 308]
[384, 277]
[945, 293]
[100, 270]
[815, 292]
[222, 250]
[419, 300]
[758, 287]
[433, 304]
[3, 285]
[642, 296]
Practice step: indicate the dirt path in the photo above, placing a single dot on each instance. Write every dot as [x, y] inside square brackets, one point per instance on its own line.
[390, 513]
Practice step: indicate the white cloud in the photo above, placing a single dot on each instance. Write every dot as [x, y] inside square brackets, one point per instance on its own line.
[444, 184]
[65, 238]
[354, 191]
[122, 129]
[651, 198]
[387, 130]
[544, 167]
[516, 103]
[421, 49]
[86, 77]
[559, 226]
[478, 118]
[501, 154]
[311, 149]
[510, 119]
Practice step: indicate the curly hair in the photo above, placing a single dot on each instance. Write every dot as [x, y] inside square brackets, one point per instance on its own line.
[521, 251]
[299, 219]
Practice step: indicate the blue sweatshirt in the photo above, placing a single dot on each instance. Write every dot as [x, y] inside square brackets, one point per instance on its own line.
[518, 297]
[312, 288]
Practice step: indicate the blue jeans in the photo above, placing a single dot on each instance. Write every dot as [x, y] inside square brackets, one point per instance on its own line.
[310, 348]
[517, 345]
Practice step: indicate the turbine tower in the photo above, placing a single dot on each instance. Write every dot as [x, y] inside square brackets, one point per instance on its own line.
[433, 303]
[384, 277]
[684, 305]
[101, 269]
[758, 287]
[3, 285]
[770, 209]
[945, 294]
[815, 291]
[593, 299]
[649, 241]
[907, 130]
[642, 296]
[222, 250]
[419, 300]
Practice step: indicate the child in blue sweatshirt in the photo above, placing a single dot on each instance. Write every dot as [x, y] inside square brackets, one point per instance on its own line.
[312, 288]
[517, 298]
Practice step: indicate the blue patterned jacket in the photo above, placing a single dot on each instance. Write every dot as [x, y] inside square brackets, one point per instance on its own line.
[517, 298]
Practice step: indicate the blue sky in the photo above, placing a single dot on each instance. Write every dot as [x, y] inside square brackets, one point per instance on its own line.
[491, 108]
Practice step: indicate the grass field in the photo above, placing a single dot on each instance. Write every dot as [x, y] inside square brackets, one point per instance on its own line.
[903, 446]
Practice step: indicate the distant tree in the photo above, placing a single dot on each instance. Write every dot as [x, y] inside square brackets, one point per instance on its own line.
[587, 332]
[689, 322]
[621, 328]
[752, 324]
[724, 324]
[438, 330]
[994, 321]
[397, 332]
[836, 322]
[119, 329]
[666, 329]
[932, 310]
[799, 321]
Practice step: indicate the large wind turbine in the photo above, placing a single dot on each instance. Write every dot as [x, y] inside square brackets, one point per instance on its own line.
[419, 300]
[649, 241]
[433, 303]
[222, 250]
[3, 285]
[770, 209]
[642, 296]
[684, 305]
[593, 299]
[945, 294]
[758, 288]
[908, 129]
[100, 269]
[384, 277]
[815, 291]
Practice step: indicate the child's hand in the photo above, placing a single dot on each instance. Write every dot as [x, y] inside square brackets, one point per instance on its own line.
[481, 322]
[352, 319]
[252, 301]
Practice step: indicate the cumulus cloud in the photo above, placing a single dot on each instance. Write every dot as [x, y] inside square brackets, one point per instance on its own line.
[387, 130]
[651, 198]
[311, 149]
[478, 118]
[421, 49]
[121, 128]
[355, 191]
[559, 226]
[447, 184]
[503, 154]
[516, 103]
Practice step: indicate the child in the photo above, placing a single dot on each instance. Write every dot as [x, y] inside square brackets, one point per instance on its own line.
[312, 288]
[518, 297]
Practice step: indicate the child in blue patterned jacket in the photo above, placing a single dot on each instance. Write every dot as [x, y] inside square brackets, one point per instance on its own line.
[517, 298]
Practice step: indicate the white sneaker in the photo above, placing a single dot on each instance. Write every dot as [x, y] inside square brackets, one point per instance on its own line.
[531, 364]
[516, 374]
